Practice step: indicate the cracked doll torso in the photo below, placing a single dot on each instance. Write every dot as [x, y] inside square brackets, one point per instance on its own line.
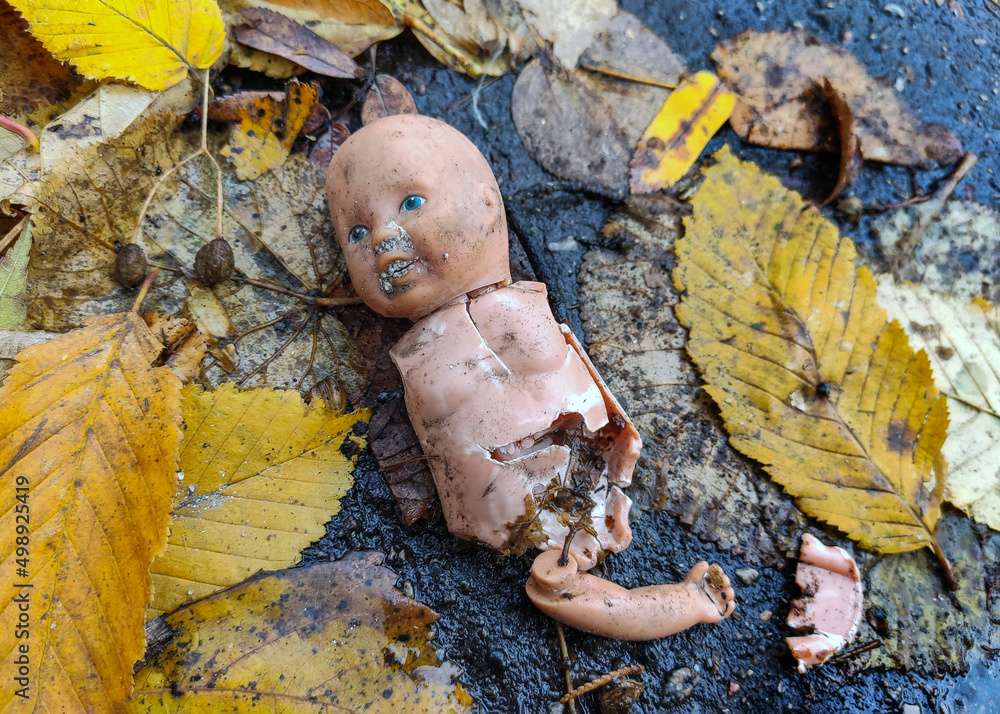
[523, 439]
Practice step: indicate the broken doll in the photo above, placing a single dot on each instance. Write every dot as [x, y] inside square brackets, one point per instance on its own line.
[527, 445]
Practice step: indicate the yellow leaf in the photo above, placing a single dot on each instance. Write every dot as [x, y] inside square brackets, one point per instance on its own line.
[679, 132]
[963, 343]
[810, 377]
[332, 637]
[88, 446]
[267, 130]
[263, 473]
[153, 43]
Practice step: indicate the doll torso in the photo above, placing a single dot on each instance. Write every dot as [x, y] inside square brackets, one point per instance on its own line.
[504, 406]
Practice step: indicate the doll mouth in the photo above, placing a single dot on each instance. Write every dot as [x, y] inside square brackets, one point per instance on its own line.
[395, 270]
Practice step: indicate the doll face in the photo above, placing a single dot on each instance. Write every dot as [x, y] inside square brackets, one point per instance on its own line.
[418, 214]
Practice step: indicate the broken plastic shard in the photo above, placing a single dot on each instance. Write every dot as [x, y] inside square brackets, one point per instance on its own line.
[830, 609]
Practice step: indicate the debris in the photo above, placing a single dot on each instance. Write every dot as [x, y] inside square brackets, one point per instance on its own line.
[830, 608]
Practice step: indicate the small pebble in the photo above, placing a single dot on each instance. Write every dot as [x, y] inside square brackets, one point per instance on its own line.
[679, 686]
[765, 616]
[911, 709]
[567, 243]
[895, 10]
[748, 576]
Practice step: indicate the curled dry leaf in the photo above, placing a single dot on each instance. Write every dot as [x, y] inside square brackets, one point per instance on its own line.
[263, 473]
[272, 32]
[327, 637]
[679, 133]
[151, 45]
[351, 25]
[585, 128]
[186, 346]
[778, 80]
[267, 129]
[687, 466]
[627, 49]
[387, 97]
[962, 341]
[32, 77]
[811, 378]
[479, 38]
[850, 146]
[88, 442]
[14, 277]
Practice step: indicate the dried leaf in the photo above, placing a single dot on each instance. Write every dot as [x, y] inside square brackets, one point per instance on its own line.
[472, 39]
[278, 227]
[568, 27]
[263, 473]
[186, 345]
[687, 466]
[627, 49]
[811, 379]
[679, 133]
[14, 278]
[13, 341]
[964, 230]
[331, 636]
[267, 130]
[88, 440]
[583, 129]
[152, 44]
[272, 32]
[387, 97]
[102, 115]
[850, 146]
[351, 25]
[963, 344]
[778, 79]
[32, 77]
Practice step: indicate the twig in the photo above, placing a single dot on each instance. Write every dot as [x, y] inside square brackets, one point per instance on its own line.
[601, 681]
[415, 459]
[874, 644]
[319, 301]
[202, 150]
[564, 652]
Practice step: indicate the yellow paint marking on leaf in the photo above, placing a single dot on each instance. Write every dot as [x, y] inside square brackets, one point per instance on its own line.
[267, 130]
[679, 132]
[811, 379]
[88, 448]
[963, 343]
[331, 637]
[263, 473]
[152, 43]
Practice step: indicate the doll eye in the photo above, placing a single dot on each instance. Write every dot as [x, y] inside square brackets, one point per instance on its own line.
[357, 233]
[412, 203]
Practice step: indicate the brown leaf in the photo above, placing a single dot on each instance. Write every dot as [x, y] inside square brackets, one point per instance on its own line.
[387, 97]
[568, 27]
[278, 227]
[328, 637]
[687, 466]
[778, 76]
[850, 146]
[31, 76]
[629, 50]
[88, 443]
[273, 32]
[186, 345]
[585, 128]
[326, 144]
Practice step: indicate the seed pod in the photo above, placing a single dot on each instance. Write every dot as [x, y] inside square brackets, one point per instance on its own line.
[130, 266]
[330, 391]
[214, 262]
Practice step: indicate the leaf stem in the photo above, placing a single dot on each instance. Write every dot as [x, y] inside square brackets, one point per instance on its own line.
[949, 576]
[21, 130]
[146, 285]
[319, 301]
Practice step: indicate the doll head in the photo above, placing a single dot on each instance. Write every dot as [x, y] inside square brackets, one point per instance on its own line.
[418, 214]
